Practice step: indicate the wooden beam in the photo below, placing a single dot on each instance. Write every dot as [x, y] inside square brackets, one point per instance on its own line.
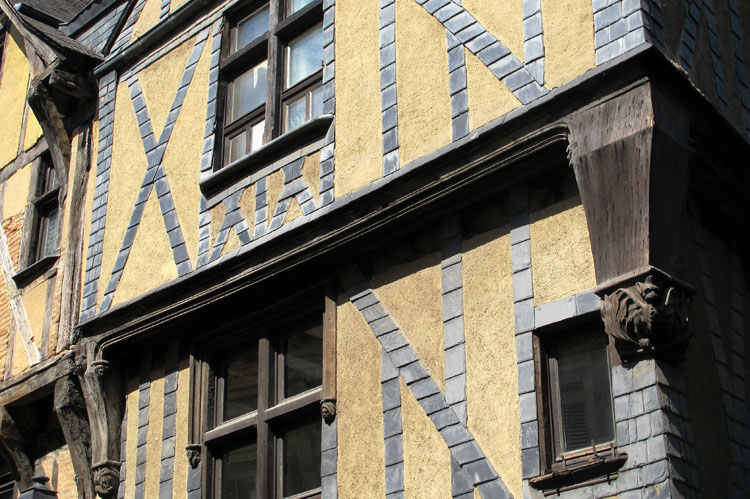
[70, 408]
[14, 447]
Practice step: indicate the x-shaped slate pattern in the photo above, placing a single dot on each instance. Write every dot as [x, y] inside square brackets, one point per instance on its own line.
[491, 51]
[463, 448]
[156, 176]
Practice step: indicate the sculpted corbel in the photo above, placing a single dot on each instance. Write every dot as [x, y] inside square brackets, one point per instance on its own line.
[651, 317]
[102, 391]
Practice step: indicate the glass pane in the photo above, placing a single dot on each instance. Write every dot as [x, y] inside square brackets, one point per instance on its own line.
[305, 56]
[317, 102]
[295, 5]
[295, 113]
[238, 473]
[303, 361]
[249, 90]
[252, 27]
[241, 383]
[237, 146]
[257, 135]
[301, 458]
[50, 233]
[585, 400]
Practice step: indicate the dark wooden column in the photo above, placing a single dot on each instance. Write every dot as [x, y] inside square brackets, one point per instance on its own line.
[630, 155]
[70, 408]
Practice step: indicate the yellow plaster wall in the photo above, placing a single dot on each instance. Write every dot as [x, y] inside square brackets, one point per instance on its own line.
[358, 132]
[17, 191]
[160, 82]
[180, 466]
[274, 184]
[424, 111]
[568, 40]
[489, 98]
[361, 459]
[148, 18]
[491, 373]
[153, 440]
[427, 461]
[233, 242]
[33, 131]
[128, 167]
[185, 148]
[217, 218]
[311, 173]
[151, 261]
[561, 258]
[504, 19]
[247, 206]
[294, 211]
[412, 293]
[35, 301]
[15, 78]
[20, 359]
[131, 442]
[176, 4]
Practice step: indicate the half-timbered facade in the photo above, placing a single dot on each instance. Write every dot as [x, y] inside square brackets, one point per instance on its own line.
[374, 248]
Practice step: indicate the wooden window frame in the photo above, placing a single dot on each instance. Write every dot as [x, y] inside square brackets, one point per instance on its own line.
[271, 46]
[274, 414]
[587, 465]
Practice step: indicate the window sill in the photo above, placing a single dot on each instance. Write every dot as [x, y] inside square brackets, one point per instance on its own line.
[25, 276]
[274, 149]
[594, 470]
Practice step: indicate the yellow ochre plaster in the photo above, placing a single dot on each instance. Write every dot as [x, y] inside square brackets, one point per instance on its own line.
[562, 263]
[412, 294]
[361, 459]
[294, 211]
[20, 359]
[131, 433]
[185, 149]
[13, 85]
[153, 440]
[568, 40]
[17, 192]
[149, 18]
[180, 469]
[504, 19]
[233, 242]
[427, 462]
[33, 131]
[217, 218]
[491, 373]
[489, 98]
[151, 262]
[311, 174]
[125, 176]
[423, 92]
[358, 130]
[35, 301]
[247, 206]
[274, 183]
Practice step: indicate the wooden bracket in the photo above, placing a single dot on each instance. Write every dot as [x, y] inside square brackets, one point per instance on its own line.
[70, 408]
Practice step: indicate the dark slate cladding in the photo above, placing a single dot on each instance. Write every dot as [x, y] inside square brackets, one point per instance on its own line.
[62, 10]
[58, 40]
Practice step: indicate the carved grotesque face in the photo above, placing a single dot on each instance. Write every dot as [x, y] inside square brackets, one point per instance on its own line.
[106, 481]
[328, 412]
[650, 291]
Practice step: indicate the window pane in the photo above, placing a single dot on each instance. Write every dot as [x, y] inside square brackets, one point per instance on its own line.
[303, 361]
[252, 27]
[50, 233]
[295, 5]
[317, 102]
[241, 383]
[257, 135]
[295, 113]
[305, 56]
[238, 473]
[301, 458]
[237, 146]
[249, 90]
[585, 400]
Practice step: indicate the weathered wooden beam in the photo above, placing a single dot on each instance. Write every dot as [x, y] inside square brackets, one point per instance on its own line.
[70, 408]
[71, 84]
[328, 396]
[14, 447]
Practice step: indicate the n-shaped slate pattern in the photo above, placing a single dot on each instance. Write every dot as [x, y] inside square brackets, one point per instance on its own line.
[233, 219]
[155, 175]
[461, 443]
[480, 42]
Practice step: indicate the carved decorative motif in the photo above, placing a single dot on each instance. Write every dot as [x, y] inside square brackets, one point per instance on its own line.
[652, 315]
[193, 455]
[106, 479]
[328, 410]
[100, 366]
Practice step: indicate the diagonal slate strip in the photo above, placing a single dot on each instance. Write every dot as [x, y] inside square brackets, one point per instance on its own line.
[471, 34]
[155, 175]
[461, 443]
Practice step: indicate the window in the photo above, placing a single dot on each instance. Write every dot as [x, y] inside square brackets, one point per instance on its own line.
[44, 238]
[265, 427]
[580, 400]
[272, 73]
